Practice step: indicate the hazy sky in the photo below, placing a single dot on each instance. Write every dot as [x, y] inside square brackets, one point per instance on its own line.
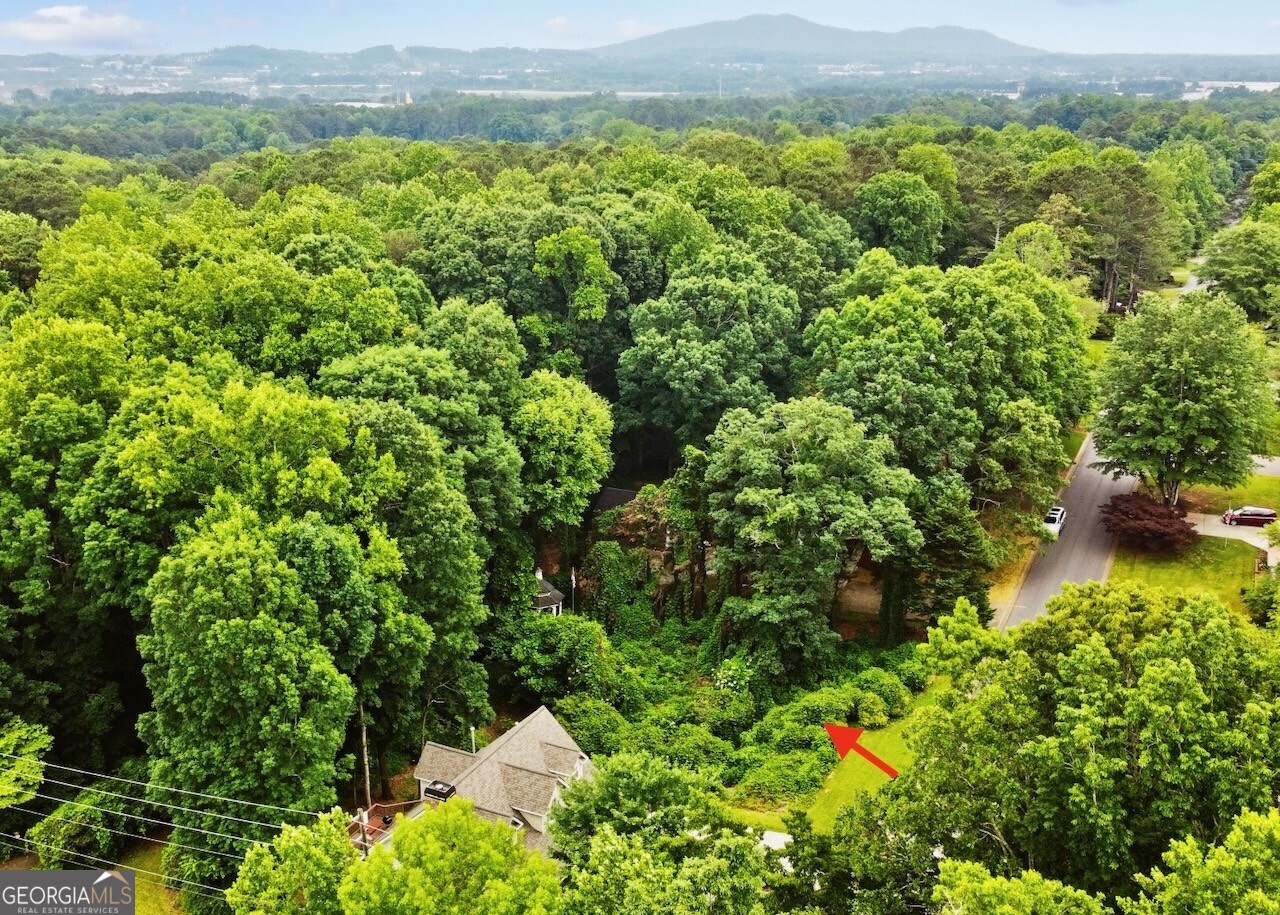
[1225, 26]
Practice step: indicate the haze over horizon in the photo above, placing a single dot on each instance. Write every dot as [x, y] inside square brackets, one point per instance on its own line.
[1071, 26]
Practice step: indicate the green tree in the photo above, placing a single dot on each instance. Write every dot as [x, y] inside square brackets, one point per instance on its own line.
[1243, 262]
[621, 876]
[270, 725]
[563, 431]
[1037, 245]
[300, 871]
[820, 170]
[21, 776]
[20, 239]
[634, 794]
[60, 382]
[574, 260]
[1264, 189]
[1239, 875]
[1078, 745]
[794, 493]
[717, 339]
[1185, 395]
[558, 656]
[965, 888]
[451, 862]
[900, 212]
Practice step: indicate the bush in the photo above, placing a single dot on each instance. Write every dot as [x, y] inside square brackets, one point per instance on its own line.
[615, 592]
[1144, 524]
[596, 725]
[725, 714]
[872, 711]
[823, 706]
[889, 688]
[559, 656]
[690, 746]
[1108, 321]
[72, 831]
[92, 822]
[904, 663]
[1260, 599]
[788, 775]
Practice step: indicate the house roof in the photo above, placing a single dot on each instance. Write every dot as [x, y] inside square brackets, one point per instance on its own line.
[516, 777]
[612, 497]
[442, 763]
[548, 595]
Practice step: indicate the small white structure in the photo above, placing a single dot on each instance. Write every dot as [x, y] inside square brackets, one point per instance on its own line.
[548, 599]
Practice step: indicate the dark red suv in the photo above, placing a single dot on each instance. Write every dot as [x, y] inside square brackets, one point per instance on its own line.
[1249, 514]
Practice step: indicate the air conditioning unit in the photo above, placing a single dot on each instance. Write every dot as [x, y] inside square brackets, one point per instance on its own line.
[439, 790]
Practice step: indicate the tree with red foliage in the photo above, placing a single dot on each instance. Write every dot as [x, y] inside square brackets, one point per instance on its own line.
[1144, 524]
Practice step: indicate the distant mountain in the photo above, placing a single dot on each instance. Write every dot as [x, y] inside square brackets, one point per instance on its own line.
[787, 35]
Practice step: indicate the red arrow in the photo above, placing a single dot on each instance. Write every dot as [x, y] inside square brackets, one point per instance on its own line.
[845, 739]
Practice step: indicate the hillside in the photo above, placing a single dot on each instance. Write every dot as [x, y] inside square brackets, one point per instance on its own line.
[793, 36]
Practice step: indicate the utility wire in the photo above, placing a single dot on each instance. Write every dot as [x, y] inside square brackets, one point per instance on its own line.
[130, 835]
[216, 797]
[114, 865]
[138, 816]
[147, 803]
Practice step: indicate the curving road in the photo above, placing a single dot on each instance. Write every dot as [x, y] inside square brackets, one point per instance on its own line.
[1085, 549]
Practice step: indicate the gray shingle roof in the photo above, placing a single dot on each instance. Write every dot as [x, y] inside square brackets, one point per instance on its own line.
[440, 762]
[548, 595]
[515, 777]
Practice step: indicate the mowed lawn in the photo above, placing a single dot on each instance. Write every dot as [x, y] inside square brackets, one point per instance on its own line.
[153, 899]
[1072, 440]
[1259, 490]
[855, 775]
[1096, 351]
[1213, 565]
[142, 855]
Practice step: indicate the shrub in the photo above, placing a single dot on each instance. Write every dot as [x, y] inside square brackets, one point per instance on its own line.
[1108, 321]
[1260, 599]
[1144, 524]
[596, 725]
[725, 714]
[904, 663]
[889, 688]
[787, 775]
[872, 711]
[829, 704]
[615, 592]
[690, 746]
[84, 826]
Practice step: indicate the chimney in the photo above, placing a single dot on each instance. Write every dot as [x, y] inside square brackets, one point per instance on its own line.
[538, 574]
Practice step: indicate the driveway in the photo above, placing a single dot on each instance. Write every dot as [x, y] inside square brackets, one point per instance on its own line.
[1266, 466]
[1085, 549]
[1212, 526]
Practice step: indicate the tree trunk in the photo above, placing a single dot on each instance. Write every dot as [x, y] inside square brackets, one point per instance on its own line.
[893, 607]
[384, 780]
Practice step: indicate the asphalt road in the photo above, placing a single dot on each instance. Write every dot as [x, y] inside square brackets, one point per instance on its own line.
[1083, 552]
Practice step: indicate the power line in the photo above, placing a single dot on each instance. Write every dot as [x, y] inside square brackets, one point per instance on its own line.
[215, 797]
[130, 835]
[115, 865]
[145, 802]
[138, 816]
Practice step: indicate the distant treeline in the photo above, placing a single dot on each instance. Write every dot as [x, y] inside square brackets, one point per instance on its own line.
[215, 125]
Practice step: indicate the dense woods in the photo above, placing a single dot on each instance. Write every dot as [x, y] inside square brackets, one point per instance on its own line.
[288, 420]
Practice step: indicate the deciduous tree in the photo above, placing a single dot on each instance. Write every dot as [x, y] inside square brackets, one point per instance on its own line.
[1185, 395]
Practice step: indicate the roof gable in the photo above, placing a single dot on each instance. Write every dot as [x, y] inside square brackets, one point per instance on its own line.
[515, 777]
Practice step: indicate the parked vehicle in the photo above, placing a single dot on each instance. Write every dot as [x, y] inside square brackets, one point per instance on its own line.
[1055, 520]
[1249, 514]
